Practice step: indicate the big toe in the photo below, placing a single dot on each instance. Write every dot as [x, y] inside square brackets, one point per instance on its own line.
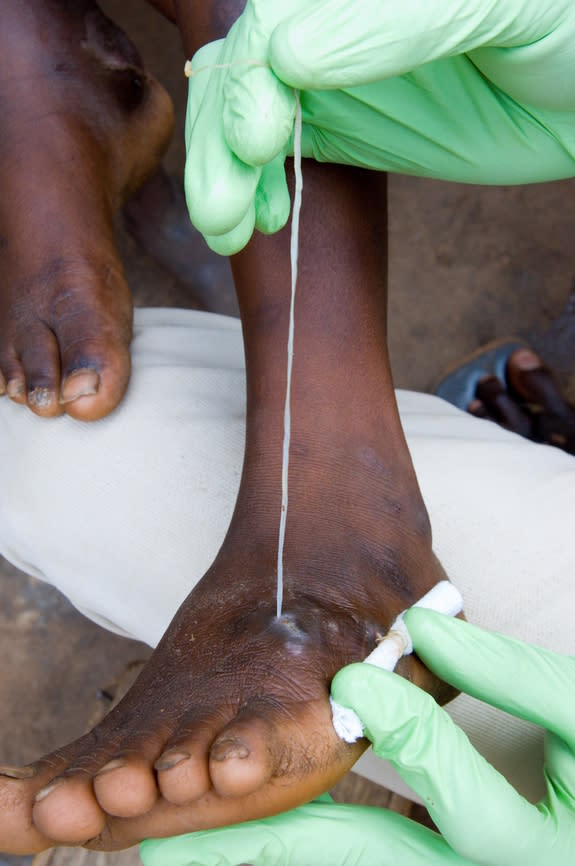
[94, 384]
[78, 364]
[95, 354]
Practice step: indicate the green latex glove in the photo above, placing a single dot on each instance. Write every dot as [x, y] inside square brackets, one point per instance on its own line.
[477, 91]
[482, 819]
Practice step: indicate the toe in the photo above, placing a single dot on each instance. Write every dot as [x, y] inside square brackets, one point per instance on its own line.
[531, 380]
[40, 360]
[13, 379]
[121, 765]
[95, 359]
[478, 410]
[67, 812]
[502, 408]
[245, 755]
[92, 392]
[126, 787]
[182, 768]
[16, 387]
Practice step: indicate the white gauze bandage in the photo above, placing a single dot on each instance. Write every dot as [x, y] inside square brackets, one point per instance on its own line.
[445, 598]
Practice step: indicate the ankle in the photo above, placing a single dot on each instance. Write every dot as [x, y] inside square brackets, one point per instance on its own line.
[347, 499]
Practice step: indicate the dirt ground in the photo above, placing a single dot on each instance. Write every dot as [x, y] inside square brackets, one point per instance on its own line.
[467, 265]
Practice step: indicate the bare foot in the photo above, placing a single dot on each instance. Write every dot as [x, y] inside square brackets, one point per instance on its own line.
[230, 719]
[83, 126]
[529, 403]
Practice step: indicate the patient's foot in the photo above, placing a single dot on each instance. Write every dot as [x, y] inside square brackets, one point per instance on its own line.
[529, 403]
[230, 719]
[83, 126]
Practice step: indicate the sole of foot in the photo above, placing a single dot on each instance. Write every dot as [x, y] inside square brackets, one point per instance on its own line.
[84, 126]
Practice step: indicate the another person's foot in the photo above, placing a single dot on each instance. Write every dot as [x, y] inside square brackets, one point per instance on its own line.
[83, 126]
[529, 402]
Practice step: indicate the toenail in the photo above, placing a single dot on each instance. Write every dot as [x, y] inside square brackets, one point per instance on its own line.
[226, 749]
[82, 383]
[17, 772]
[111, 765]
[15, 388]
[170, 759]
[44, 792]
[41, 397]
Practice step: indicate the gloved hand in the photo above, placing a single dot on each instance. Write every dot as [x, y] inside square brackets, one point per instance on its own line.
[468, 90]
[482, 819]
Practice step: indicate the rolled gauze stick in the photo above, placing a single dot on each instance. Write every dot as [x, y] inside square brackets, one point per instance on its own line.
[445, 598]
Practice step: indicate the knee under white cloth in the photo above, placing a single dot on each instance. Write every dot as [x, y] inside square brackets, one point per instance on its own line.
[124, 515]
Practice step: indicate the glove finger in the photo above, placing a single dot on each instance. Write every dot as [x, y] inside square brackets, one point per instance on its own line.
[232, 242]
[560, 773]
[526, 681]
[317, 834]
[477, 811]
[207, 56]
[272, 202]
[219, 187]
[259, 112]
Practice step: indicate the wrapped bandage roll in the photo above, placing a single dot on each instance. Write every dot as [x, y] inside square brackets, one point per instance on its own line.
[445, 598]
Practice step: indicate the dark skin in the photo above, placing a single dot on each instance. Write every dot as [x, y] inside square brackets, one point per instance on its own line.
[100, 126]
[83, 126]
[230, 720]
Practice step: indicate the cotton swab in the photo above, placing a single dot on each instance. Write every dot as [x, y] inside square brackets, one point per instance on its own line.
[445, 598]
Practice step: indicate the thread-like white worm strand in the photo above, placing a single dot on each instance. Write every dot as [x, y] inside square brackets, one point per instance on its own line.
[294, 240]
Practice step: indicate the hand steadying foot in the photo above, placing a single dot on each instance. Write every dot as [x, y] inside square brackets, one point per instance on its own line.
[230, 719]
[83, 126]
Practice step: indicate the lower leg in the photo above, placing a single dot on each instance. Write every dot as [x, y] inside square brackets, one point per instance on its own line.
[230, 720]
